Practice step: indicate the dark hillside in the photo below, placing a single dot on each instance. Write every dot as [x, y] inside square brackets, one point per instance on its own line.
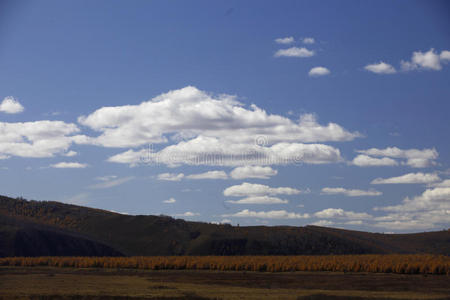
[23, 238]
[162, 235]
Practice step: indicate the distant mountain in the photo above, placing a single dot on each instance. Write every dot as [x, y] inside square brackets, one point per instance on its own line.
[91, 231]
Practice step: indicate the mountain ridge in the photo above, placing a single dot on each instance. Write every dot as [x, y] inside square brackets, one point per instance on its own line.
[162, 235]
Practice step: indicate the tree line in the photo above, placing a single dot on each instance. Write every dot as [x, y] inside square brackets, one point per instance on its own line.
[392, 263]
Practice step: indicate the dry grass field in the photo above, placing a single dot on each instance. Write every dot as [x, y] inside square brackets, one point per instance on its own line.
[99, 283]
[393, 263]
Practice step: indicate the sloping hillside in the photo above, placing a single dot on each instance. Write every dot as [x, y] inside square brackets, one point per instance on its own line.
[23, 238]
[161, 235]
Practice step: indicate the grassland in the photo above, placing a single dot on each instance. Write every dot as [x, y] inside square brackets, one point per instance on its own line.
[99, 283]
[400, 264]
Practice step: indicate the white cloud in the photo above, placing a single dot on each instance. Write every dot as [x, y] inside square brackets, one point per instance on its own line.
[190, 190]
[252, 189]
[223, 128]
[69, 165]
[445, 55]
[294, 52]
[324, 223]
[106, 178]
[112, 182]
[170, 176]
[70, 153]
[408, 178]
[350, 192]
[285, 41]
[180, 176]
[188, 113]
[429, 210]
[214, 152]
[414, 157]
[415, 220]
[339, 213]
[402, 221]
[429, 60]
[444, 183]
[259, 200]
[209, 175]
[367, 161]
[201, 126]
[187, 214]
[308, 40]
[318, 71]
[53, 113]
[10, 105]
[355, 222]
[253, 172]
[120, 213]
[171, 200]
[380, 68]
[273, 214]
[37, 139]
[431, 199]
[406, 225]
[78, 199]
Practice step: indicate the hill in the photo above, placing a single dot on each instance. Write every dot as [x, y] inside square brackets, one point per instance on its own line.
[162, 235]
[22, 238]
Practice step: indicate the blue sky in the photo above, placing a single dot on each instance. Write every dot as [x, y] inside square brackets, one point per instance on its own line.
[249, 112]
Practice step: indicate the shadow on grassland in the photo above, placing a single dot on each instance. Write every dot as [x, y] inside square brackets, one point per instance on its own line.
[195, 297]
[330, 297]
[187, 296]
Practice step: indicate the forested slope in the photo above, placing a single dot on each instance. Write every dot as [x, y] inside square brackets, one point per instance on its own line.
[162, 235]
